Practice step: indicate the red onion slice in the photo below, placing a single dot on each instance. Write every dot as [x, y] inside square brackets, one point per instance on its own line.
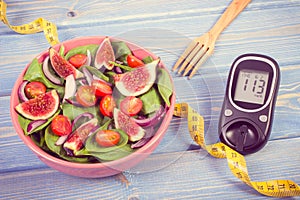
[148, 135]
[70, 88]
[101, 80]
[149, 132]
[88, 75]
[73, 102]
[96, 78]
[118, 70]
[34, 124]
[48, 74]
[61, 140]
[83, 81]
[86, 114]
[89, 58]
[21, 91]
[152, 120]
[140, 143]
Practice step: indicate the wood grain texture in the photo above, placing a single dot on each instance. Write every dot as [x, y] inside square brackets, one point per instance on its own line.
[178, 169]
[198, 176]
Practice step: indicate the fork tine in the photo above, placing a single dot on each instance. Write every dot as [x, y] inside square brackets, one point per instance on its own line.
[183, 65]
[185, 54]
[190, 57]
[200, 62]
[195, 60]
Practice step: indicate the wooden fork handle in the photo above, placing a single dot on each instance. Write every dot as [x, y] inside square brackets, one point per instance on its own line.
[232, 11]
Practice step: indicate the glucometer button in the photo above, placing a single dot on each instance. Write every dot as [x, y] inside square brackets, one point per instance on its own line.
[263, 118]
[228, 112]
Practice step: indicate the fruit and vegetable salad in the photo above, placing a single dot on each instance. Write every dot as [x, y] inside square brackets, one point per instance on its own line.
[93, 103]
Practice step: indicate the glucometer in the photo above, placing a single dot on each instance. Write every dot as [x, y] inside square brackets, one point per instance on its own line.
[247, 112]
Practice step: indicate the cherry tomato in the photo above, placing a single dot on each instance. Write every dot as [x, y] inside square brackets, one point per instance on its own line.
[107, 138]
[61, 125]
[134, 62]
[131, 105]
[86, 96]
[78, 60]
[35, 88]
[107, 105]
[101, 87]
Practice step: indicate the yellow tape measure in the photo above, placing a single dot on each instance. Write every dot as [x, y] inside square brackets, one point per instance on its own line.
[36, 26]
[236, 161]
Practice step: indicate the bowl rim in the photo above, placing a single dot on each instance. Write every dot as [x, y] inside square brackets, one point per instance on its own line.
[155, 140]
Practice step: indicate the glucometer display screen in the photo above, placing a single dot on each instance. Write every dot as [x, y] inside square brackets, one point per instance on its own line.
[251, 86]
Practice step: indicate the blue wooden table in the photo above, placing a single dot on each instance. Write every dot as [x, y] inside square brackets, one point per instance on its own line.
[178, 169]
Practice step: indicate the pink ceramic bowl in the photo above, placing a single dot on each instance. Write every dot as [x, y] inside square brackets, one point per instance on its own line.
[91, 170]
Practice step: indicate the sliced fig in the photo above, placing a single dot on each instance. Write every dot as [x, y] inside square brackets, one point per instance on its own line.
[50, 74]
[138, 81]
[41, 107]
[77, 138]
[61, 66]
[128, 125]
[104, 55]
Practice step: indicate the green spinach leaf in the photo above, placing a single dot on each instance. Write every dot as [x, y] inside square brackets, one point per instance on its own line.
[114, 154]
[72, 111]
[98, 73]
[121, 50]
[39, 139]
[147, 59]
[151, 101]
[92, 146]
[82, 50]
[50, 139]
[62, 50]
[105, 123]
[24, 123]
[164, 84]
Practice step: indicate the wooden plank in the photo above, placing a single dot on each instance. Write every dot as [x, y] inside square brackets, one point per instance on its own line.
[190, 175]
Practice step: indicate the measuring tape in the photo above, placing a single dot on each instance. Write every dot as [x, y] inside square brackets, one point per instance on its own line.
[36, 26]
[236, 162]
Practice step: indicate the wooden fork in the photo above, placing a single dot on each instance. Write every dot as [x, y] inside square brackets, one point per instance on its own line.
[202, 47]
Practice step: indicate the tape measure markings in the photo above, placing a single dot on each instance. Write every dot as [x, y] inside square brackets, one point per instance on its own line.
[38, 25]
[235, 160]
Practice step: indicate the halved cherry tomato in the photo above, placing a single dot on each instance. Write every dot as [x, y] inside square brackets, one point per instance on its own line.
[131, 105]
[134, 62]
[61, 125]
[34, 88]
[78, 60]
[86, 95]
[101, 87]
[107, 138]
[107, 105]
